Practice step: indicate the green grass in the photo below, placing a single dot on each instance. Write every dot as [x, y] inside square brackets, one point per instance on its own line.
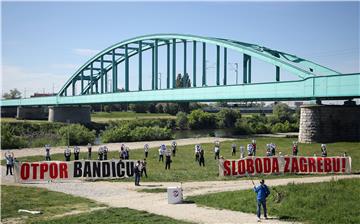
[184, 167]
[105, 116]
[328, 202]
[49, 203]
[153, 190]
[116, 215]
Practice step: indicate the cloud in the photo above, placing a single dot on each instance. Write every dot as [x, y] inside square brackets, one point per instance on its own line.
[32, 81]
[85, 51]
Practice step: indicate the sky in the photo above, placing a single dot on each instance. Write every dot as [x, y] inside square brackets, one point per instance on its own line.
[43, 43]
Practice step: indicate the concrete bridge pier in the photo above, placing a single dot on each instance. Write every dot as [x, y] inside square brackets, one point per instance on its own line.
[79, 114]
[329, 123]
[32, 113]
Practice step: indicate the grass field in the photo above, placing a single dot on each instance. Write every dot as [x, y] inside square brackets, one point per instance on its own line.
[184, 167]
[52, 203]
[328, 202]
[105, 116]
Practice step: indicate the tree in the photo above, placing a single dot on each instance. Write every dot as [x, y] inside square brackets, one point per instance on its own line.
[12, 94]
[227, 117]
[182, 120]
[283, 112]
[138, 107]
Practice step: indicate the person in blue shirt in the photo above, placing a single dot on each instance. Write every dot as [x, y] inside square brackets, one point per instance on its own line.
[262, 192]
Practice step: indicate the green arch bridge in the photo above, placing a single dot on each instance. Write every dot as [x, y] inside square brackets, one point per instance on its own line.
[89, 84]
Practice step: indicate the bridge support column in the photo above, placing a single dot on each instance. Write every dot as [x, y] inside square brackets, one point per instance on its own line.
[329, 123]
[31, 113]
[73, 114]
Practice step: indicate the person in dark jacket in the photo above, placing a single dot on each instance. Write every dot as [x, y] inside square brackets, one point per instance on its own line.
[262, 192]
[167, 159]
[89, 150]
[201, 157]
[105, 152]
[143, 168]
[137, 171]
[76, 152]
[67, 154]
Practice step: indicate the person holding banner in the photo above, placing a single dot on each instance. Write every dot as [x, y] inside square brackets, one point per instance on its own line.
[273, 149]
[47, 154]
[9, 162]
[295, 149]
[268, 150]
[323, 150]
[233, 149]
[262, 192]
[67, 154]
[250, 149]
[201, 156]
[76, 152]
[173, 148]
[101, 153]
[253, 142]
[137, 171]
[146, 150]
[105, 152]
[89, 151]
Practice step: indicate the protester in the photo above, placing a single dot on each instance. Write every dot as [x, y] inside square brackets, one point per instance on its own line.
[173, 148]
[295, 148]
[323, 150]
[217, 151]
[146, 150]
[233, 149]
[253, 142]
[122, 153]
[162, 150]
[9, 156]
[197, 152]
[242, 152]
[101, 153]
[47, 153]
[250, 149]
[168, 160]
[76, 152]
[89, 150]
[67, 154]
[105, 152]
[201, 156]
[268, 150]
[137, 171]
[273, 149]
[262, 192]
[345, 154]
[143, 168]
[127, 153]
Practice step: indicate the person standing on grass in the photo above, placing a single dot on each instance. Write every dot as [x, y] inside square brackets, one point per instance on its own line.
[197, 151]
[146, 150]
[168, 160]
[295, 149]
[143, 168]
[242, 152]
[262, 192]
[254, 147]
[47, 153]
[173, 148]
[101, 153]
[268, 150]
[105, 152]
[127, 153]
[162, 150]
[76, 152]
[201, 156]
[9, 156]
[137, 171]
[323, 150]
[67, 154]
[217, 151]
[250, 149]
[273, 149]
[233, 149]
[89, 150]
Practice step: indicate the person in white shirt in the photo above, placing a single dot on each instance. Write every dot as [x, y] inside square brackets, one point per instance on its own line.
[101, 153]
[47, 153]
[242, 151]
[162, 150]
[105, 152]
[173, 148]
[9, 162]
[197, 151]
[217, 152]
[250, 149]
[76, 152]
[146, 150]
[67, 154]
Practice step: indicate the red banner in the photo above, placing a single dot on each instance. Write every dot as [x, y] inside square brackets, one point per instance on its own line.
[284, 164]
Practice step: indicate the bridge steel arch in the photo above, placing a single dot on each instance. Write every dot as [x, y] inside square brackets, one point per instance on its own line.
[95, 71]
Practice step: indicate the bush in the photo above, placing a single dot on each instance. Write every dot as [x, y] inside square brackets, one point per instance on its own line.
[199, 119]
[227, 117]
[9, 140]
[182, 121]
[283, 112]
[138, 107]
[78, 134]
[243, 127]
[171, 108]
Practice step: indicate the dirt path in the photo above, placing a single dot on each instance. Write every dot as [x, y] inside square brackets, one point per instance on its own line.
[115, 146]
[125, 194]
